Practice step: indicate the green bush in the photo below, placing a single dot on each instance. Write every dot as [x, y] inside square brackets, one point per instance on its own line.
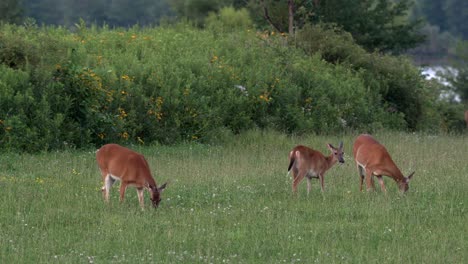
[178, 83]
[394, 83]
[228, 19]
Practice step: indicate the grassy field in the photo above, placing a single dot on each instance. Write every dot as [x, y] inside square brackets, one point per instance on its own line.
[233, 204]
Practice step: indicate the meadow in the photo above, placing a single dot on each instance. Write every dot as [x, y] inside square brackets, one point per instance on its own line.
[232, 203]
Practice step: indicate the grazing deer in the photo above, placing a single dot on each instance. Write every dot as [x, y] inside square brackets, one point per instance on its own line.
[129, 167]
[372, 159]
[466, 118]
[306, 162]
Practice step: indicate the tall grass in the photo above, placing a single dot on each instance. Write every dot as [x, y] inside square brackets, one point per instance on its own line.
[232, 203]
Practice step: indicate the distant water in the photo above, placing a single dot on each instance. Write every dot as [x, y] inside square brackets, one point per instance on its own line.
[440, 73]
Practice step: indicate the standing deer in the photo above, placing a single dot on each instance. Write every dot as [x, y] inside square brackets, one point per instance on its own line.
[131, 168]
[372, 159]
[306, 162]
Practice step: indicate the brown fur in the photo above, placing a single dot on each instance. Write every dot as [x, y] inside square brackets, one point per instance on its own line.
[373, 159]
[131, 168]
[306, 162]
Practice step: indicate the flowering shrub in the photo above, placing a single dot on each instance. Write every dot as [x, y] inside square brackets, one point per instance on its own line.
[170, 84]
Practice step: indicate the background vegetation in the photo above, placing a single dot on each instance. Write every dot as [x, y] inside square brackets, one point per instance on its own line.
[233, 204]
[222, 72]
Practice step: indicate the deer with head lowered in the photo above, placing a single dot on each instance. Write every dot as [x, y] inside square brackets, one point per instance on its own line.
[309, 163]
[131, 169]
[373, 159]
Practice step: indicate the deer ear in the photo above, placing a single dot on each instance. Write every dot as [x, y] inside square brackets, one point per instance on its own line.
[341, 145]
[162, 187]
[330, 146]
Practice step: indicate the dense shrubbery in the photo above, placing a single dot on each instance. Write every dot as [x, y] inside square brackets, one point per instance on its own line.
[172, 84]
[393, 82]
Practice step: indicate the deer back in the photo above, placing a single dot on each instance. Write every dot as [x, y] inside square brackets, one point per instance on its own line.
[125, 164]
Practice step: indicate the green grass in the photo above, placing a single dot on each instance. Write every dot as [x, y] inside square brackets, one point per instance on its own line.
[233, 204]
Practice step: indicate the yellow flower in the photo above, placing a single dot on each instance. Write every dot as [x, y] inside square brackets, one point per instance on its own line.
[124, 135]
[122, 114]
[159, 115]
[265, 97]
[101, 135]
[134, 36]
[126, 77]
[159, 102]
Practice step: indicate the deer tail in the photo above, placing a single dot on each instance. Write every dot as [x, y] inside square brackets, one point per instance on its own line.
[292, 159]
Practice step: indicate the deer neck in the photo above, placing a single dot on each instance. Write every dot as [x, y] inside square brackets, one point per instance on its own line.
[331, 160]
[151, 182]
[396, 174]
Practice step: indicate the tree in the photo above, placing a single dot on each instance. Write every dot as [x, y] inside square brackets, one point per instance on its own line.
[457, 17]
[448, 15]
[11, 11]
[460, 81]
[196, 10]
[375, 24]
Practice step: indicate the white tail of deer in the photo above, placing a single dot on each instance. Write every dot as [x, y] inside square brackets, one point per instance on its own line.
[373, 159]
[131, 168]
[306, 162]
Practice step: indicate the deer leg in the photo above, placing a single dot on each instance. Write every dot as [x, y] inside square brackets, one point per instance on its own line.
[369, 181]
[361, 176]
[308, 185]
[108, 182]
[123, 187]
[382, 185]
[140, 197]
[295, 171]
[299, 177]
[321, 182]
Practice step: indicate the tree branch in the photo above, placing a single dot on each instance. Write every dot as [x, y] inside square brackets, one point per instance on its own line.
[268, 18]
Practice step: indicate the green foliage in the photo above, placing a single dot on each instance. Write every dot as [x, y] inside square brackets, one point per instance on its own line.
[393, 83]
[178, 83]
[375, 24]
[229, 19]
[448, 15]
[11, 11]
[460, 81]
[196, 10]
